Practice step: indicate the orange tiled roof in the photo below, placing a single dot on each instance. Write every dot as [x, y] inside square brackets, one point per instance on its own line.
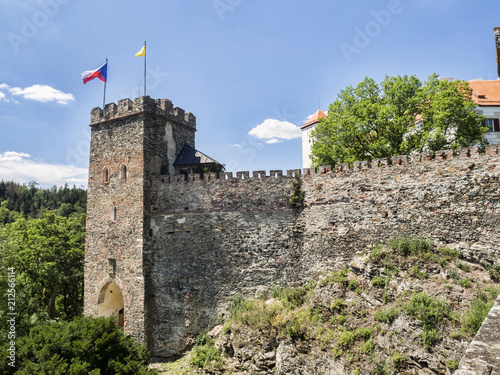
[315, 118]
[485, 92]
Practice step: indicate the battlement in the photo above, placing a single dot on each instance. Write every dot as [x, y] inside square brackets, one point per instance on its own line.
[339, 169]
[144, 104]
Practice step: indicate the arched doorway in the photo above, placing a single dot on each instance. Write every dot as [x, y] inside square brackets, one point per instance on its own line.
[111, 303]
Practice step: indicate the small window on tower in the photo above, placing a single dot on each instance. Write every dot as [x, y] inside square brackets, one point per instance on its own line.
[124, 172]
[164, 170]
[113, 213]
[105, 175]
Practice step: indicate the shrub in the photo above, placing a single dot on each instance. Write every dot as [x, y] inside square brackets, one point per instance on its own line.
[430, 337]
[337, 305]
[428, 310]
[378, 252]
[474, 317]
[410, 245]
[378, 281]
[339, 277]
[415, 272]
[399, 359]
[340, 318]
[205, 354]
[465, 283]
[364, 333]
[367, 347]
[462, 266]
[353, 285]
[293, 297]
[387, 316]
[449, 252]
[494, 272]
[346, 338]
[429, 256]
[83, 346]
[298, 195]
[452, 365]
[454, 275]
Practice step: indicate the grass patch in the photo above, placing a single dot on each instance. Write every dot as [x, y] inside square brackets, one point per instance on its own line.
[462, 266]
[346, 338]
[378, 253]
[494, 272]
[466, 283]
[449, 252]
[452, 365]
[387, 316]
[415, 272]
[431, 312]
[378, 281]
[474, 317]
[412, 245]
[205, 354]
[399, 359]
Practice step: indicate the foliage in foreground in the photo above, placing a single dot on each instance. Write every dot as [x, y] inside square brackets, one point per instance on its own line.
[82, 346]
[47, 255]
[205, 354]
[372, 121]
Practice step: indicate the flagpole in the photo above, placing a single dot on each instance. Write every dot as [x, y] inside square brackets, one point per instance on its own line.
[104, 97]
[145, 53]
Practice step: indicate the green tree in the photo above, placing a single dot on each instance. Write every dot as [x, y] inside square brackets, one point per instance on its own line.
[47, 255]
[82, 346]
[399, 116]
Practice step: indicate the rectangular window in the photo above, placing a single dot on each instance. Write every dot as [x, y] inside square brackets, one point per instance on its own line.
[489, 124]
[493, 124]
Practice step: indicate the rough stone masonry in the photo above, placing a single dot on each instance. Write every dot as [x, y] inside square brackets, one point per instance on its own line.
[178, 249]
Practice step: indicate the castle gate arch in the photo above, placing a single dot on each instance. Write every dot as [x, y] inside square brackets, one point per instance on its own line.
[110, 303]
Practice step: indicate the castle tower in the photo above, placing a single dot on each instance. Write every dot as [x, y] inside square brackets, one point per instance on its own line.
[307, 129]
[131, 143]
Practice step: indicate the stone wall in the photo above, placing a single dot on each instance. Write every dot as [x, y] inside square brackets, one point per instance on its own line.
[212, 238]
[178, 249]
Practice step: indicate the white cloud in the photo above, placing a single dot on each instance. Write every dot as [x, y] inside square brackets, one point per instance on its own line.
[236, 145]
[2, 96]
[3, 86]
[19, 167]
[275, 131]
[273, 140]
[42, 93]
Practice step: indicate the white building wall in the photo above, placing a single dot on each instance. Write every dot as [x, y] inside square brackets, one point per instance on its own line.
[306, 146]
[491, 112]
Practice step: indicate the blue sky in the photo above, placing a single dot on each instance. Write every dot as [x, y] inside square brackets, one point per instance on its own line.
[251, 71]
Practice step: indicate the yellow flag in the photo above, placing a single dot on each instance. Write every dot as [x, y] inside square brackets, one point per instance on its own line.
[142, 52]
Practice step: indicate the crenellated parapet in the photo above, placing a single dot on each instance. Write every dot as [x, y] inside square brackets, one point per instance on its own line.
[144, 104]
[405, 161]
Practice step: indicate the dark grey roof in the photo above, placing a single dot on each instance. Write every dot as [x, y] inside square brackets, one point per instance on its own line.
[189, 157]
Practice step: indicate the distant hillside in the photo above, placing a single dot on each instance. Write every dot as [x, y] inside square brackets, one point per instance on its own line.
[33, 201]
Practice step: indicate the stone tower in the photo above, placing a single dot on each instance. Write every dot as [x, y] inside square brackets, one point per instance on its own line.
[131, 143]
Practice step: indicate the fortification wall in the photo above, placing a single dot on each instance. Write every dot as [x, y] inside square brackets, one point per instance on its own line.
[212, 238]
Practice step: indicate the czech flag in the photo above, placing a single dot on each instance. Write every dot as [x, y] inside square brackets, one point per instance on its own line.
[101, 73]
